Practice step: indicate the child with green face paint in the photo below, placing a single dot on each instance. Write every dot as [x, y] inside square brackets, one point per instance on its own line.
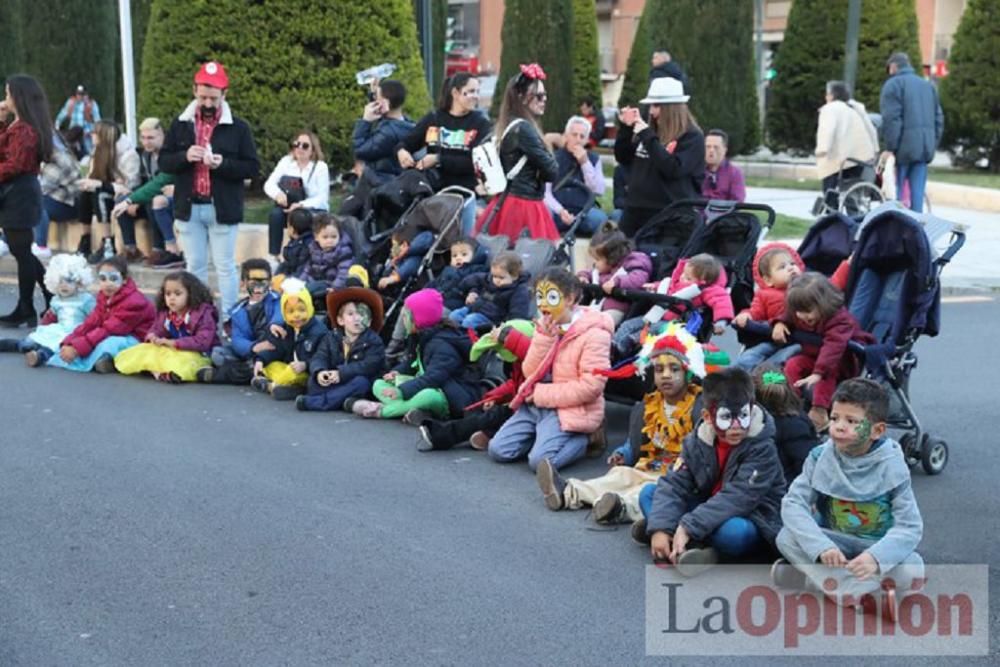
[866, 525]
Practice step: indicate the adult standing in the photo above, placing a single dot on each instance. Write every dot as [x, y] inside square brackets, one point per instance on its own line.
[210, 152]
[580, 174]
[25, 142]
[723, 179]
[845, 138]
[665, 157]
[525, 159]
[58, 178]
[449, 133]
[912, 123]
[81, 111]
[662, 65]
[301, 179]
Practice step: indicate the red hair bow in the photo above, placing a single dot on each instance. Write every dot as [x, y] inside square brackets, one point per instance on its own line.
[533, 71]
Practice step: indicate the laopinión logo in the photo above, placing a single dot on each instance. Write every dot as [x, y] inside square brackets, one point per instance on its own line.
[737, 610]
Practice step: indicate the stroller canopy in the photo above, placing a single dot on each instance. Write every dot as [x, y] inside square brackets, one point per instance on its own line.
[828, 242]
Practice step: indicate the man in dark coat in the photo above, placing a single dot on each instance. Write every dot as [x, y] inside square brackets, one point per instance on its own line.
[662, 65]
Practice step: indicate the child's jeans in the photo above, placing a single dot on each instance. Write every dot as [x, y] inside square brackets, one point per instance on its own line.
[626, 481]
[324, 399]
[903, 574]
[770, 353]
[536, 432]
[801, 366]
[735, 539]
[469, 320]
[430, 400]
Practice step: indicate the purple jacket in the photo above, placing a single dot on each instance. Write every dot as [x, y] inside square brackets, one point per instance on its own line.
[634, 272]
[726, 183]
[201, 325]
[329, 266]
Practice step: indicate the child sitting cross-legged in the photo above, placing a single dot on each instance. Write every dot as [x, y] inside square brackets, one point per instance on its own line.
[774, 267]
[251, 319]
[185, 331]
[851, 515]
[502, 294]
[282, 369]
[561, 401]
[351, 356]
[657, 427]
[723, 496]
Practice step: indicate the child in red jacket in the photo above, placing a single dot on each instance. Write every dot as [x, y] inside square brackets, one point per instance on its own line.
[775, 265]
[121, 318]
[185, 331]
[813, 305]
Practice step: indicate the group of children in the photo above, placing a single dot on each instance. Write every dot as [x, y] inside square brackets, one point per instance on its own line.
[721, 464]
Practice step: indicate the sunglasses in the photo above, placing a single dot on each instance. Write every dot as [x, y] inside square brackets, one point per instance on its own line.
[110, 277]
[541, 97]
[304, 145]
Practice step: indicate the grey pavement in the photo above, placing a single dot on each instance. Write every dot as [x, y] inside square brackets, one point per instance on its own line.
[977, 265]
[144, 524]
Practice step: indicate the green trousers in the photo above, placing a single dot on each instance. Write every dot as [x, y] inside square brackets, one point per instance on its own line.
[429, 400]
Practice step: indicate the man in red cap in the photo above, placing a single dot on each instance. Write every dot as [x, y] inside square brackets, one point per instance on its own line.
[210, 152]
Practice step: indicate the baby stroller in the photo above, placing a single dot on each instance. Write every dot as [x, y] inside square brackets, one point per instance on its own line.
[664, 236]
[381, 206]
[855, 195]
[828, 242]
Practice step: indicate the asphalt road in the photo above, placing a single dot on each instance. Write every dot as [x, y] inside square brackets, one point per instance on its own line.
[143, 524]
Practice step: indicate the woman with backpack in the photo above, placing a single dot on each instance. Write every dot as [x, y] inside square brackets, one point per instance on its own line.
[526, 161]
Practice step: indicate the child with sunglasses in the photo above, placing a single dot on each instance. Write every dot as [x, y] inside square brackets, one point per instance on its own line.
[121, 318]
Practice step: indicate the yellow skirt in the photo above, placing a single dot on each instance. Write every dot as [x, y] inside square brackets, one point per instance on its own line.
[149, 358]
[281, 373]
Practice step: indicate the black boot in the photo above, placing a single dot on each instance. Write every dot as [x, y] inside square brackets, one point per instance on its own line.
[20, 317]
[83, 248]
[101, 252]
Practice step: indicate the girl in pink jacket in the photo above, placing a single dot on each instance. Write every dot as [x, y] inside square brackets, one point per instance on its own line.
[561, 400]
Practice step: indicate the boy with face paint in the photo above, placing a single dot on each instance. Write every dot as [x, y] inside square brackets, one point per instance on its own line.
[657, 427]
[722, 498]
[351, 356]
[251, 320]
[851, 515]
[281, 368]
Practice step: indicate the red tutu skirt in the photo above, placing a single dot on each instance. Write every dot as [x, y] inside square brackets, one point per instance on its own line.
[516, 215]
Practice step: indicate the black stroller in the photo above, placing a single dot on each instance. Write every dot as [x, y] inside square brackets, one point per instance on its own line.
[829, 241]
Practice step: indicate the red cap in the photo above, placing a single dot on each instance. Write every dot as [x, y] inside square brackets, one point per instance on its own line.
[212, 74]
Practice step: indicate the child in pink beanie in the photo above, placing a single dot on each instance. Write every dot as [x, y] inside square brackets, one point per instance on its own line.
[440, 383]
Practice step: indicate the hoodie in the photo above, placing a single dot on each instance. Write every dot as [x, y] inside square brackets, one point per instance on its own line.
[867, 496]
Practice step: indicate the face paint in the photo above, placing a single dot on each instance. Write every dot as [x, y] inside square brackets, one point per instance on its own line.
[296, 313]
[726, 417]
[550, 299]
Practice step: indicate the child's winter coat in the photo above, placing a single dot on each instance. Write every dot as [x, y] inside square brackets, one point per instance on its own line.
[499, 304]
[768, 303]
[443, 362]
[715, 296]
[634, 272]
[449, 282]
[200, 326]
[795, 436]
[329, 266]
[298, 345]
[831, 358]
[296, 255]
[251, 322]
[126, 313]
[365, 357]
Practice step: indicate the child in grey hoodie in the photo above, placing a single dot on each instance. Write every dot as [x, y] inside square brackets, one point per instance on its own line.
[852, 509]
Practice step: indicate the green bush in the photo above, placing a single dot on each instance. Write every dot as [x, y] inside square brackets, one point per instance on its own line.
[813, 53]
[719, 63]
[11, 32]
[540, 31]
[291, 63]
[586, 59]
[970, 94]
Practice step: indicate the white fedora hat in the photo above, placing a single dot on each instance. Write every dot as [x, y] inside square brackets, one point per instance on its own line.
[665, 90]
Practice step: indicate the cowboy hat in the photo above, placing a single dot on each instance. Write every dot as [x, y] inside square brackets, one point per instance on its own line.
[665, 90]
[371, 298]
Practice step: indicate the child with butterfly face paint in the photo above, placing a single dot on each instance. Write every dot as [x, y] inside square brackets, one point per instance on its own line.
[723, 497]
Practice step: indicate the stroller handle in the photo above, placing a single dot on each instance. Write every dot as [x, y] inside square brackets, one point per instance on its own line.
[676, 304]
[715, 208]
[957, 241]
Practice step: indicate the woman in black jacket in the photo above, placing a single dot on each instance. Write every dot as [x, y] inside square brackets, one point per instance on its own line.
[665, 158]
[522, 151]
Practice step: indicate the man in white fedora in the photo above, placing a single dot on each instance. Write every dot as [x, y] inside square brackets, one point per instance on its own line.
[665, 155]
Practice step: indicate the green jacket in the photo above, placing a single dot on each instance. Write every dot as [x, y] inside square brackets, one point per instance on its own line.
[144, 194]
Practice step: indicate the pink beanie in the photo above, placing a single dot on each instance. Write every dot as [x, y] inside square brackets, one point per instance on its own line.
[427, 307]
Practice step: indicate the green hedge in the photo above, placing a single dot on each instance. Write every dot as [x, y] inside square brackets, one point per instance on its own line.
[586, 56]
[970, 94]
[291, 63]
[813, 53]
[712, 40]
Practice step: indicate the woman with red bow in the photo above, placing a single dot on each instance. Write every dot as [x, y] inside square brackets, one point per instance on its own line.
[526, 161]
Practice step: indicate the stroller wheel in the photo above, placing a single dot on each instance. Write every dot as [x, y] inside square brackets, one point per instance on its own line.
[933, 455]
[911, 452]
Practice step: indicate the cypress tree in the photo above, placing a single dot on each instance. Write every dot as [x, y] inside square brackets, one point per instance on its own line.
[540, 31]
[586, 58]
[11, 31]
[719, 64]
[970, 94]
[291, 63]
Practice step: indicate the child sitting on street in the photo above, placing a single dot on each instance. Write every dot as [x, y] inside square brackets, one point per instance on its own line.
[813, 305]
[331, 255]
[794, 434]
[282, 368]
[657, 427]
[444, 383]
[851, 515]
[774, 267]
[295, 254]
[702, 280]
[467, 258]
[723, 495]
[501, 295]
[351, 356]
[121, 317]
[405, 255]
[185, 331]
[251, 319]
[561, 401]
[616, 264]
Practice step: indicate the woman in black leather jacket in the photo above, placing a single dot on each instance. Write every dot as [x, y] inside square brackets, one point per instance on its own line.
[522, 151]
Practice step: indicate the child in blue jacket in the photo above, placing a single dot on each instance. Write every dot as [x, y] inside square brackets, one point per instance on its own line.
[406, 254]
[503, 294]
[467, 258]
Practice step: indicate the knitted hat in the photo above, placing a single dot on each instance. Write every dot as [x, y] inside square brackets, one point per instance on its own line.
[426, 306]
[489, 342]
[212, 74]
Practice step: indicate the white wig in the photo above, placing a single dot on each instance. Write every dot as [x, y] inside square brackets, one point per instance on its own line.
[68, 268]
